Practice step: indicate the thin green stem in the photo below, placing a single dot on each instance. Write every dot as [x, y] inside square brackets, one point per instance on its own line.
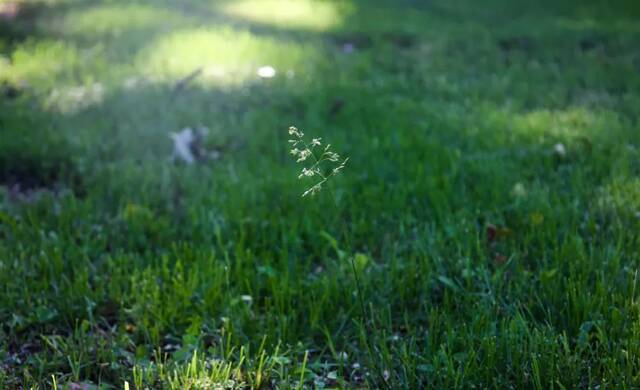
[359, 289]
[353, 267]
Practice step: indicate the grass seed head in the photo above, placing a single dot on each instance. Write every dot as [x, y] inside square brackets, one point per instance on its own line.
[314, 165]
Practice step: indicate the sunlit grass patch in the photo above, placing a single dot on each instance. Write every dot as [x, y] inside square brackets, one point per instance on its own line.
[64, 76]
[570, 123]
[307, 14]
[72, 99]
[41, 62]
[226, 56]
[621, 196]
[117, 19]
[233, 369]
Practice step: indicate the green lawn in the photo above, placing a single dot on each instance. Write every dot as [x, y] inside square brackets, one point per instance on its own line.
[490, 205]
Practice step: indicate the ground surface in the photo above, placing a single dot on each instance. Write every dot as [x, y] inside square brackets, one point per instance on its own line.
[491, 202]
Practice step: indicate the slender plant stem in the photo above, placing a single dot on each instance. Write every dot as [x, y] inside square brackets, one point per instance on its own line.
[359, 289]
[346, 235]
[351, 260]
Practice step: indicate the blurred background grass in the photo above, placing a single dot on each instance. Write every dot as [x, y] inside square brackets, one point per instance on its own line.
[458, 117]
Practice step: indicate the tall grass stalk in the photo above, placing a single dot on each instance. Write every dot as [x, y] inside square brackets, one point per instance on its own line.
[325, 166]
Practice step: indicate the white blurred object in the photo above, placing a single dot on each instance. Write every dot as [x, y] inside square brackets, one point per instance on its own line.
[519, 190]
[187, 144]
[560, 149]
[214, 71]
[266, 72]
[182, 143]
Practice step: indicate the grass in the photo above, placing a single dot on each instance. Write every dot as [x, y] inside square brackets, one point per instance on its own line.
[491, 200]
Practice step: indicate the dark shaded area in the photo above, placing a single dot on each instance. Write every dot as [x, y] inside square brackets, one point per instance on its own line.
[516, 43]
[32, 156]
[18, 21]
